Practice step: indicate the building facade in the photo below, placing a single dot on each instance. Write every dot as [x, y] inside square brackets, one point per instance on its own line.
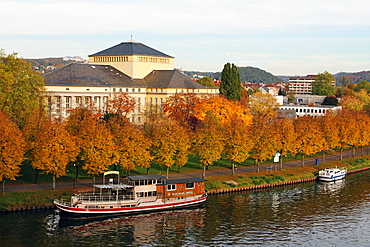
[131, 67]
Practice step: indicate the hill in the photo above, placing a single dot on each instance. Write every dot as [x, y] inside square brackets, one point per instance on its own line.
[44, 65]
[247, 74]
[355, 77]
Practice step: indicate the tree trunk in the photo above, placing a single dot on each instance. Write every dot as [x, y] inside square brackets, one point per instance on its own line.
[167, 170]
[4, 185]
[362, 151]
[232, 168]
[341, 153]
[258, 165]
[204, 171]
[353, 152]
[302, 160]
[53, 181]
[36, 175]
[281, 162]
[178, 169]
[147, 171]
[323, 156]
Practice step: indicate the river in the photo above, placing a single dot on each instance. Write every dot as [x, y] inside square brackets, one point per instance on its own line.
[313, 214]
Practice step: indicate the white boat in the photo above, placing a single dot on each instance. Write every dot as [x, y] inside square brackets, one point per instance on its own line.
[332, 174]
[136, 194]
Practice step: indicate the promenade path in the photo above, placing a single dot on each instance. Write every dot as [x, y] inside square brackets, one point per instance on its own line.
[263, 168]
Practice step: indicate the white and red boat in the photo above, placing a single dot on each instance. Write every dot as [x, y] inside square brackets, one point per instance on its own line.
[135, 194]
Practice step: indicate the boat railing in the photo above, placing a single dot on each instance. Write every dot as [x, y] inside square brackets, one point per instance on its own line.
[101, 198]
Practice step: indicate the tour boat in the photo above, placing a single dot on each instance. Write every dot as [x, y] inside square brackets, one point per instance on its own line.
[332, 174]
[136, 194]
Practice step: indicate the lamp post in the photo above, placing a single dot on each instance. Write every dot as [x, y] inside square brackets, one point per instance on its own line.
[74, 180]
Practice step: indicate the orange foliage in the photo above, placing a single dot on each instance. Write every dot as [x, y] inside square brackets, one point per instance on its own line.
[223, 109]
[54, 149]
[12, 147]
[121, 103]
[180, 107]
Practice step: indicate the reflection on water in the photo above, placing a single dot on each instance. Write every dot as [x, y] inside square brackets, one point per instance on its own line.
[315, 214]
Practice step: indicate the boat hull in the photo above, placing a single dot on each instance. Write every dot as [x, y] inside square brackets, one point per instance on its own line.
[85, 213]
[331, 179]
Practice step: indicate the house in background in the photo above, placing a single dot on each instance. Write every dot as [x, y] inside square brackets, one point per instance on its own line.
[140, 71]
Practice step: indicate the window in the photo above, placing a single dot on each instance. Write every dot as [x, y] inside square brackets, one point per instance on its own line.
[190, 185]
[171, 187]
[68, 103]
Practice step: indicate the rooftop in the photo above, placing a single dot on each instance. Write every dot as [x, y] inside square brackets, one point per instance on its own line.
[130, 48]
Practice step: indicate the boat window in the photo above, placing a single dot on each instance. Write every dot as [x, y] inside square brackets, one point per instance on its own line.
[171, 187]
[190, 185]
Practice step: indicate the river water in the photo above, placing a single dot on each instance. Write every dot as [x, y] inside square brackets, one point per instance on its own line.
[314, 214]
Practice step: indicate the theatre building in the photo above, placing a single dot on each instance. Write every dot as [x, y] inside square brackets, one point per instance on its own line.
[142, 72]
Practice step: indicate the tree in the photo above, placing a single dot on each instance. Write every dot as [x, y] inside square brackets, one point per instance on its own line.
[207, 82]
[322, 85]
[286, 138]
[208, 142]
[121, 104]
[363, 85]
[330, 100]
[330, 132]
[97, 149]
[132, 147]
[54, 148]
[291, 97]
[223, 109]
[12, 147]
[265, 142]
[263, 107]
[230, 82]
[170, 141]
[309, 136]
[238, 141]
[181, 106]
[21, 88]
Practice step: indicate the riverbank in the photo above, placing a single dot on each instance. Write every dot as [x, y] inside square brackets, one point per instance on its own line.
[38, 200]
[274, 178]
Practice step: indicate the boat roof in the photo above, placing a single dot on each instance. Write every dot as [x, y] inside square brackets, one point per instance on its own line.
[145, 177]
[113, 186]
[185, 180]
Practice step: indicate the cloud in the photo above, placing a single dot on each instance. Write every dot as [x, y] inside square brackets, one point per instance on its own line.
[178, 17]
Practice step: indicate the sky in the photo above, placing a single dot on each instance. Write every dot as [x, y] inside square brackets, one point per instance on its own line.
[284, 37]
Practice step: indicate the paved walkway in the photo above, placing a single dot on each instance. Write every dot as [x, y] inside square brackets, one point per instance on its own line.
[263, 168]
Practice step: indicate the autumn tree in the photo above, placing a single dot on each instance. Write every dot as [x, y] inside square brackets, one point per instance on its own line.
[12, 147]
[330, 132]
[286, 138]
[170, 144]
[54, 148]
[238, 141]
[230, 86]
[121, 104]
[208, 142]
[309, 136]
[181, 106]
[31, 130]
[265, 142]
[21, 88]
[97, 149]
[263, 107]
[322, 85]
[132, 147]
[223, 109]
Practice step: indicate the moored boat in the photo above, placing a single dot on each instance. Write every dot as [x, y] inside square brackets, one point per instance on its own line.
[332, 174]
[134, 195]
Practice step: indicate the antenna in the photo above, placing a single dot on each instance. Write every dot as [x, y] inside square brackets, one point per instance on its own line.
[131, 36]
